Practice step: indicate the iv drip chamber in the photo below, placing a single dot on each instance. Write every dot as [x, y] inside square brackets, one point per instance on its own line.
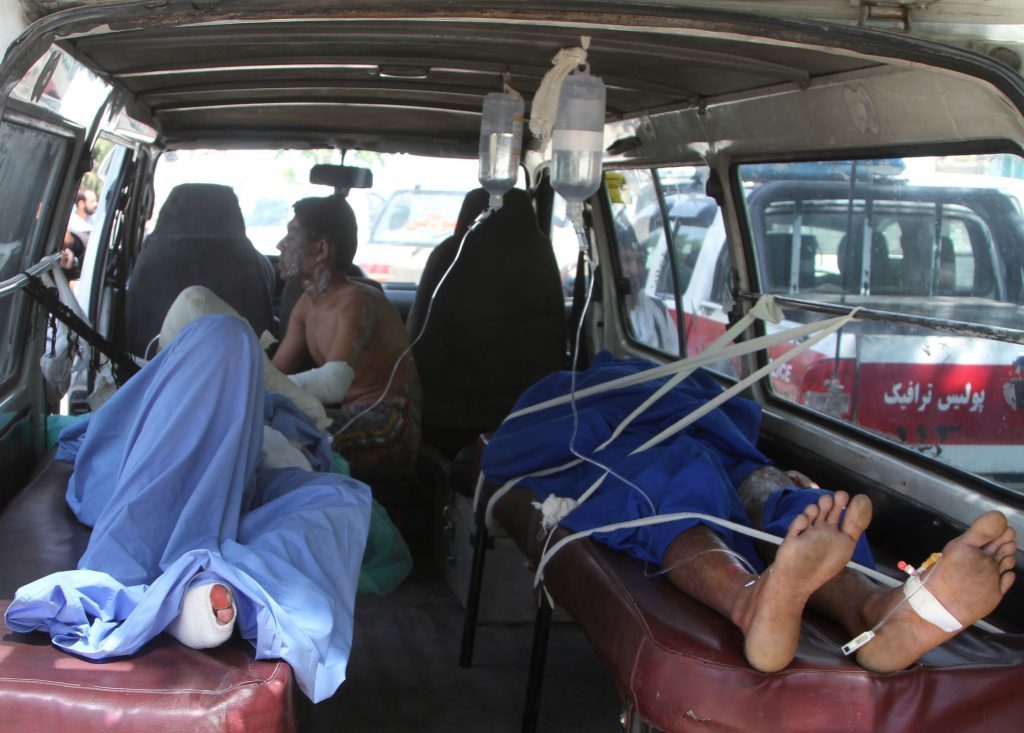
[577, 145]
[501, 134]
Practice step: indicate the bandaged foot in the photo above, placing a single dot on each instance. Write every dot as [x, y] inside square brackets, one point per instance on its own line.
[207, 617]
[818, 544]
[968, 583]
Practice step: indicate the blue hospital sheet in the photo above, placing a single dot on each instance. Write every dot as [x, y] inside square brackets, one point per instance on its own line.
[696, 470]
[168, 475]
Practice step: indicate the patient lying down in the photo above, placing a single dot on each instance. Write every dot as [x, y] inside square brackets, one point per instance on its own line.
[712, 471]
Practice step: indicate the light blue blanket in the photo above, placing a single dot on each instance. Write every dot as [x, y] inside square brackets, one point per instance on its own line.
[168, 473]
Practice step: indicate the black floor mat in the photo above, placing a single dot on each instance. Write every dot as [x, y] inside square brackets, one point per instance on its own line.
[404, 673]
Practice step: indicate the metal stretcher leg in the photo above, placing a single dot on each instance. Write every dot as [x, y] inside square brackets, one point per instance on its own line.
[476, 578]
[538, 656]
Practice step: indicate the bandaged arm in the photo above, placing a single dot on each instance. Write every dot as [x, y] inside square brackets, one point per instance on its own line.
[328, 383]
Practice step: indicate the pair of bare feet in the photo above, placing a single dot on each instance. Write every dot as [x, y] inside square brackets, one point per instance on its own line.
[974, 573]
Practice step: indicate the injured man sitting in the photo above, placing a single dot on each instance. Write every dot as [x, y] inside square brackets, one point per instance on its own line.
[713, 469]
[213, 506]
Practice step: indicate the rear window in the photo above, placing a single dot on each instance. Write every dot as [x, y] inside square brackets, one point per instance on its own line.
[412, 206]
[417, 218]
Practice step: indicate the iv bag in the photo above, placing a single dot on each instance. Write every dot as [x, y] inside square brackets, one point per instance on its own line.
[501, 133]
[577, 144]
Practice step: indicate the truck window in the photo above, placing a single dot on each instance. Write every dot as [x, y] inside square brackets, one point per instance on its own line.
[932, 237]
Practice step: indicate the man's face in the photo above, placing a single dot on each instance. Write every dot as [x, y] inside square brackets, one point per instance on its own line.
[296, 252]
[634, 267]
[90, 203]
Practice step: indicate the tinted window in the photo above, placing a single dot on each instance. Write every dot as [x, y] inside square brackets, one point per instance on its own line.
[30, 162]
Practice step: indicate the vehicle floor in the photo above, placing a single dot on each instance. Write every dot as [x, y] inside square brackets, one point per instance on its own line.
[404, 674]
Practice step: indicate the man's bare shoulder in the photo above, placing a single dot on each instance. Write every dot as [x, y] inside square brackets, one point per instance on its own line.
[303, 304]
[346, 300]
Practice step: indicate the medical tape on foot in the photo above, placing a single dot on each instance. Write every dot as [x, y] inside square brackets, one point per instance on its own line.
[197, 625]
[927, 606]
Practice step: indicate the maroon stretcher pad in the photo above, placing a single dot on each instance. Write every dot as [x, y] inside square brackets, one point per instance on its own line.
[166, 687]
[680, 665]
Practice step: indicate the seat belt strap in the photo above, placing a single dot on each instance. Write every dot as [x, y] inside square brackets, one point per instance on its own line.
[123, 363]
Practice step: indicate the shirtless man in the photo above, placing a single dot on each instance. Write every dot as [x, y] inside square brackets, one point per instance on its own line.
[343, 331]
[809, 569]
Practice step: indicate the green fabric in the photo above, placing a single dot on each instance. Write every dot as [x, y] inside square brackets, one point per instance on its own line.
[387, 560]
[56, 423]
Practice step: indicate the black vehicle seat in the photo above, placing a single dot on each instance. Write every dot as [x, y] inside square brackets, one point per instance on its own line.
[496, 326]
[779, 251]
[947, 284]
[884, 276]
[199, 239]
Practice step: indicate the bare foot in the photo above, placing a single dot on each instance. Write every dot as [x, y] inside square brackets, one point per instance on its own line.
[223, 608]
[816, 547]
[970, 580]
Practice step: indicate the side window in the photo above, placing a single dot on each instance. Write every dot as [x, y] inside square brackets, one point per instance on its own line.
[644, 265]
[933, 237]
[666, 268]
[30, 163]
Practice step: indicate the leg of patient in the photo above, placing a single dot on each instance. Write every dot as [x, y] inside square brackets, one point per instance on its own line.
[974, 573]
[768, 609]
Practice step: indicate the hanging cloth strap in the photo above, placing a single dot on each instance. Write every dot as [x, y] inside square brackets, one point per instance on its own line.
[545, 101]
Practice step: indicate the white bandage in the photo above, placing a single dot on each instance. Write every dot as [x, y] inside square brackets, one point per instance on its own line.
[927, 606]
[328, 383]
[279, 452]
[193, 302]
[554, 510]
[197, 625]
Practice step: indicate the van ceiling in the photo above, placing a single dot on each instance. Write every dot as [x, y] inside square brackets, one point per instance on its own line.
[411, 76]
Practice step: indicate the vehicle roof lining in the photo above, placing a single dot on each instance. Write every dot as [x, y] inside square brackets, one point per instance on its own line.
[321, 79]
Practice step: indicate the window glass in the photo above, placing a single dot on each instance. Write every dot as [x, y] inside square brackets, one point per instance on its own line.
[939, 237]
[646, 292]
[62, 84]
[30, 162]
[412, 206]
[657, 280]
